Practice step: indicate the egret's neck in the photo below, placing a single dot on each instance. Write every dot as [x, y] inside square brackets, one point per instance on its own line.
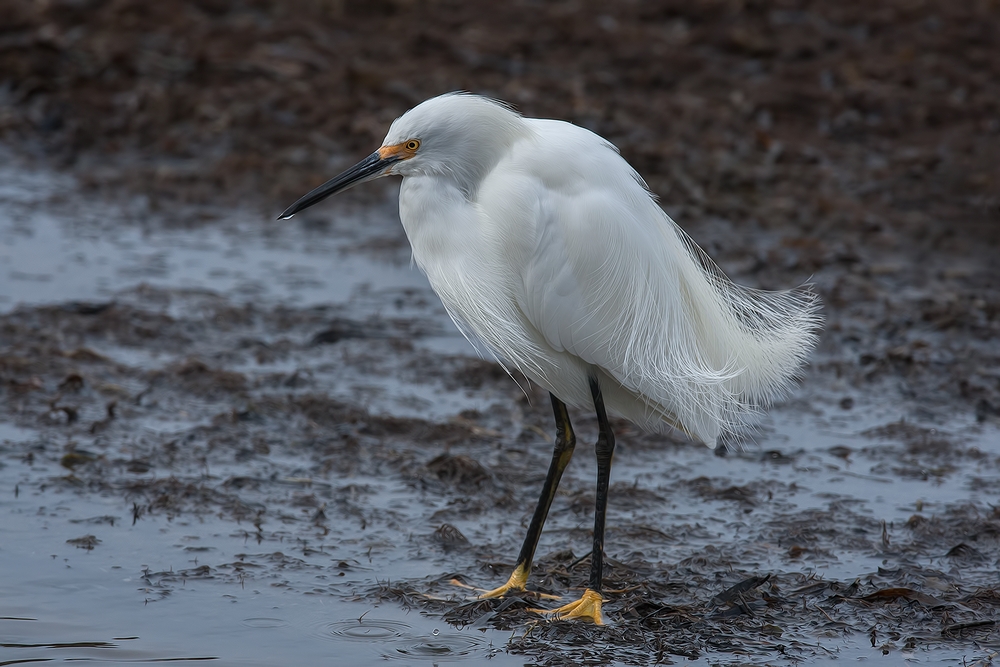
[443, 227]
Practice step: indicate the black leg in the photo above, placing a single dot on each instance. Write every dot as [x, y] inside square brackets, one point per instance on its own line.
[605, 448]
[562, 452]
[589, 605]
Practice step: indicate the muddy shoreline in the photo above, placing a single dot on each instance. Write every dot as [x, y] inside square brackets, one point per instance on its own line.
[218, 406]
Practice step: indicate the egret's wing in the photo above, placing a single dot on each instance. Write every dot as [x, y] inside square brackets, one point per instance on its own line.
[614, 282]
[605, 284]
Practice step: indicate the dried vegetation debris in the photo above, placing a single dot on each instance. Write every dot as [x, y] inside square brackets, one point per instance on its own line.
[850, 141]
[846, 141]
[721, 596]
[656, 614]
[810, 77]
[676, 586]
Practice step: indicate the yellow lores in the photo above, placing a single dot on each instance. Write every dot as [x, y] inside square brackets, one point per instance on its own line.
[403, 151]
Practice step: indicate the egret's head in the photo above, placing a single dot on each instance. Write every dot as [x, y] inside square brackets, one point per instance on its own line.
[455, 136]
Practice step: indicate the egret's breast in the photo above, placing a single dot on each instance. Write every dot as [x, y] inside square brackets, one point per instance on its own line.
[473, 254]
[441, 225]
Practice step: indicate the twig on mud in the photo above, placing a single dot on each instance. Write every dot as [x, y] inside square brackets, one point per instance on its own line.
[616, 591]
[823, 611]
[579, 560]
[981, 662]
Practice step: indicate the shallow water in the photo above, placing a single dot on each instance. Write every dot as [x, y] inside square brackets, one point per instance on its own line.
[110, 603]
[66, 603]
[56, 248]
[259, 582]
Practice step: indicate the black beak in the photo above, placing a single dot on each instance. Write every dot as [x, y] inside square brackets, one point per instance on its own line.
[371, 167]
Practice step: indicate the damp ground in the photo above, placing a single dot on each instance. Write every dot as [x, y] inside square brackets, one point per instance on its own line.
[228, 438]
[256, 442]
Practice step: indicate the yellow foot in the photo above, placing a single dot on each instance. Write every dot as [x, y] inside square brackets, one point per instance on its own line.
[516, 583]
[588, 606]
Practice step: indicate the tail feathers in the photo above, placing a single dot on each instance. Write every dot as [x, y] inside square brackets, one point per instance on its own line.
[745, 347]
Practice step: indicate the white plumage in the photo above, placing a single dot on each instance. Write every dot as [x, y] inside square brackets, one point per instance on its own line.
[546, 246]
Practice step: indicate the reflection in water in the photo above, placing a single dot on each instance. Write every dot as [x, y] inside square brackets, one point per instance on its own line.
[62, 645]
[264, 622]
[75, 651]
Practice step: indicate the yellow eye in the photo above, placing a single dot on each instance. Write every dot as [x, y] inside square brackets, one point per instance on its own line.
[412, 145]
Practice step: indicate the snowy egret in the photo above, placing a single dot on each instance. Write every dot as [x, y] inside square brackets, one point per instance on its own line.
[547, 248]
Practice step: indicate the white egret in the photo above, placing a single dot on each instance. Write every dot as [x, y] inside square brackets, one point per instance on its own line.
[546, 247]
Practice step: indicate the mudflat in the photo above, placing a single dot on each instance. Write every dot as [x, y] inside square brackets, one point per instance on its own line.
[262, 441]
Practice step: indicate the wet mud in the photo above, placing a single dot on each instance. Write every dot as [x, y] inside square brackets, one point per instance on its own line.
[198, 404]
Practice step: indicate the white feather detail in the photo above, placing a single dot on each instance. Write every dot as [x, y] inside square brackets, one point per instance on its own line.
[553, 254]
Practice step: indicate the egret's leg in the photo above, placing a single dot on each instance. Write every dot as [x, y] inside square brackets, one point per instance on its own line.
[589, 604]
[562, 452]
